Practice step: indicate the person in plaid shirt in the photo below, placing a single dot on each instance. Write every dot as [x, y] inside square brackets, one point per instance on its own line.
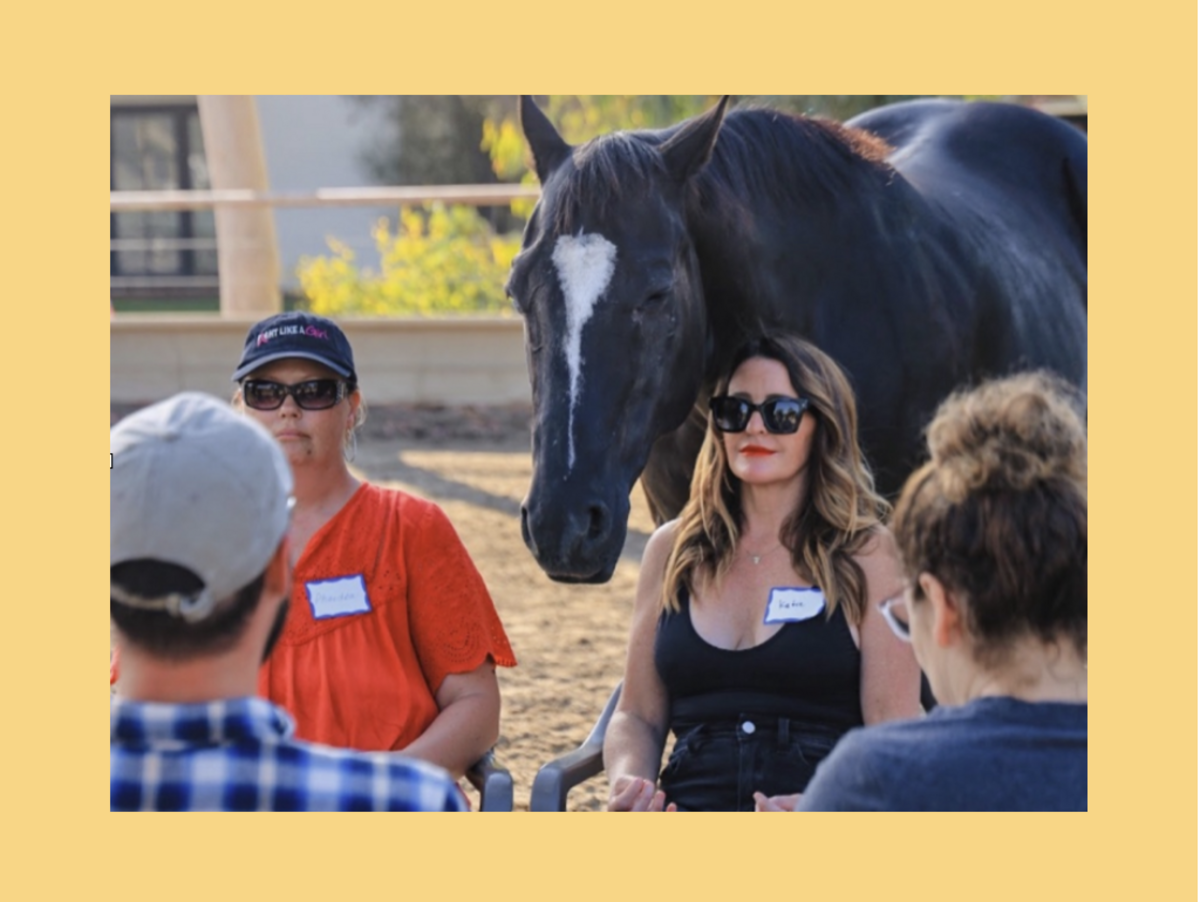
[200, 501]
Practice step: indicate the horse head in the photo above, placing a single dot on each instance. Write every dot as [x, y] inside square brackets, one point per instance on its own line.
[615, 327]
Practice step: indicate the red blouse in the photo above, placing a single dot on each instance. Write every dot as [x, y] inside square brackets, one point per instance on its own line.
[385, 604]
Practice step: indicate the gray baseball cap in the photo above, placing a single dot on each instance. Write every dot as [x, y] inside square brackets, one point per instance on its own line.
[198, 485]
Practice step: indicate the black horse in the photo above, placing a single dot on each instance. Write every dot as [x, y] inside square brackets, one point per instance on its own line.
[924, 246]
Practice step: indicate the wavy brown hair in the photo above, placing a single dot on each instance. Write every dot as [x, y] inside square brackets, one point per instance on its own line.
[999, 514]
[841, 510]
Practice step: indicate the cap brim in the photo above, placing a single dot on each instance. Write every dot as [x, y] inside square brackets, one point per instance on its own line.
[247, 369]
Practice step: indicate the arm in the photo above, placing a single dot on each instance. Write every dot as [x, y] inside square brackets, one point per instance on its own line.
[468, 721]
[453, 626]
[891, 679]
[633, 743]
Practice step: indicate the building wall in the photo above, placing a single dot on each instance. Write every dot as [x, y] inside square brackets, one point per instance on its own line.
[311, 142]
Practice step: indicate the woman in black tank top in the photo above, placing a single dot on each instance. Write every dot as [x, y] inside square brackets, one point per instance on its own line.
[754, 639]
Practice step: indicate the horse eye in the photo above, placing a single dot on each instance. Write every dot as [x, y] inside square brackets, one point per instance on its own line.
[656, 297]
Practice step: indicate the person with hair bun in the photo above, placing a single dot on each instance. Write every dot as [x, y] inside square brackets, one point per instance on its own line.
[756, 638]
[993, 533]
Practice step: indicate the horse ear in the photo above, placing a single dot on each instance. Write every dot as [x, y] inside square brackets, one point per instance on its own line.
[549, 149]
[688, 149]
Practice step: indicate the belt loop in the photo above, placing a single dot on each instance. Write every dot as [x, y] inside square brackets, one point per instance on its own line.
[783, 732]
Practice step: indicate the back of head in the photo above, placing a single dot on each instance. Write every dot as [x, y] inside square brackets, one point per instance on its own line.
[999, 513]
[200, 500]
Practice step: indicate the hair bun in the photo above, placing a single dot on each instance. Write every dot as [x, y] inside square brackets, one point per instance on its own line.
[1010, 435]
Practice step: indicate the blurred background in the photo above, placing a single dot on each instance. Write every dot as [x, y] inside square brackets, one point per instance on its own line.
[167, 260]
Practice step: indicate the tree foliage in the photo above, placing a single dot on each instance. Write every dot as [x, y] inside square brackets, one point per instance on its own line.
[439, 260]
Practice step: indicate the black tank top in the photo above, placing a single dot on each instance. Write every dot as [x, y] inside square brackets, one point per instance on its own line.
[809, 670]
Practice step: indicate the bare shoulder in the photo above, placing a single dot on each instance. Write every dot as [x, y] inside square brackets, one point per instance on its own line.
[880, 542]
[879, 558]
[654, 567]
[659, 546]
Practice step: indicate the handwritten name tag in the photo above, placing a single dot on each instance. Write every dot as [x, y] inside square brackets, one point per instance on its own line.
[789, 604]
[338, 597]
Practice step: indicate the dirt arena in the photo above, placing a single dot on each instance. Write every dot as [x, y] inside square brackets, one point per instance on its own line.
[569, 640]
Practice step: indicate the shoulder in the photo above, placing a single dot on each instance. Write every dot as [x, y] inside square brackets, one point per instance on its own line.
[417, 785]
[870, 769]
[936, 739]
[381, 497]
[879, 558]
[379, 780]
[892, 747]
[661, 541]
[654, 568]
[658, 547]
[411, 510]
[878, 543]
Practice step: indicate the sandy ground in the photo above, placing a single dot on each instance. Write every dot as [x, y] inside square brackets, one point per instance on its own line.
[569, 640]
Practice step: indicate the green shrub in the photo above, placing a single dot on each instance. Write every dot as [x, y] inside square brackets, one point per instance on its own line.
[440, 260]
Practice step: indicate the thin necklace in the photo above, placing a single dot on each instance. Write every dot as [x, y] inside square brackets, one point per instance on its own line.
[758, 557]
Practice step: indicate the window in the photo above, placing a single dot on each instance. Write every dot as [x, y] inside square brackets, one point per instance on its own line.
[159, 148]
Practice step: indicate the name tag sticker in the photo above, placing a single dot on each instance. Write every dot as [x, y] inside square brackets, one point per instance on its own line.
[338, 597]
[790, 604]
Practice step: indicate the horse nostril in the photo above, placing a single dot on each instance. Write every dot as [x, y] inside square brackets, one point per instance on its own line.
[598, 521]
[525, 534]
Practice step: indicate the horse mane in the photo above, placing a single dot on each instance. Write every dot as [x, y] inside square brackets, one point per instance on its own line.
[768, 153]
[759, 152]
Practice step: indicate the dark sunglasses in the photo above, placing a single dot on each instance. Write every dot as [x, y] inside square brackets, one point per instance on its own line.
[781, 416]
[314, 394]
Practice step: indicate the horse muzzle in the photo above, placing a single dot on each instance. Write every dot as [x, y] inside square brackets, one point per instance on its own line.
[574, 540]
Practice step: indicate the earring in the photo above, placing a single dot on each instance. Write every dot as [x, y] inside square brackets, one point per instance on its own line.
[350, 448]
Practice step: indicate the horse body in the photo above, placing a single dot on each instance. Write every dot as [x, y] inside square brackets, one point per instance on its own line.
[956, 253]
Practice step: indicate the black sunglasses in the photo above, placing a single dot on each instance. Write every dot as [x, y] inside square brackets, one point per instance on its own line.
[781, 416]
[314, 394]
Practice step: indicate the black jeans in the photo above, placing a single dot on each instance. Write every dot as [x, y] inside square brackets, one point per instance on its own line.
[718, 767]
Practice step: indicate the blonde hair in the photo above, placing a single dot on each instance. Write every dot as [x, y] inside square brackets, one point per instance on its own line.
[999, 514]
[841, 508]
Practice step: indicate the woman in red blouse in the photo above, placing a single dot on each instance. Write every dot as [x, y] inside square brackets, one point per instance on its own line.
[392, 640]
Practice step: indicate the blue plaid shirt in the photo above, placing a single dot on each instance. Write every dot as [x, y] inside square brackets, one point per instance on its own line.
[239, 755]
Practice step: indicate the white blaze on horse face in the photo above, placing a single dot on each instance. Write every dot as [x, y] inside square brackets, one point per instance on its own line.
[585, 265]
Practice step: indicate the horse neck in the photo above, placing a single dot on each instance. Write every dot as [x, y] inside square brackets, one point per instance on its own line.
[741, 237]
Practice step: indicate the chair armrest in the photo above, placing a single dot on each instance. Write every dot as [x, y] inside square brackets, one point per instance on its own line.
[494, 782]
[558, 777]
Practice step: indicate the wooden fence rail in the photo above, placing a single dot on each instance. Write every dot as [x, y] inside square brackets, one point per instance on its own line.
[474, 195]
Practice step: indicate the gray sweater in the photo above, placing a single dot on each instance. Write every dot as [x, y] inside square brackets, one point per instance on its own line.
[991, 754]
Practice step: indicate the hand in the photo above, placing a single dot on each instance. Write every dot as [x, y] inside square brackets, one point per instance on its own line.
[637, 794]
[776, 803]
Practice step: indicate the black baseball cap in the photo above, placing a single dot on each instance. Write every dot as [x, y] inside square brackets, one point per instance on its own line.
[296, 334]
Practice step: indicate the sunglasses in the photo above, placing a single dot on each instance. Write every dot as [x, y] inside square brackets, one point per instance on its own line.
[781, 416]
[315, 394]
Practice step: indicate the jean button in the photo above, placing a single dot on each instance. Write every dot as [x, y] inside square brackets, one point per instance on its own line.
[748, 727]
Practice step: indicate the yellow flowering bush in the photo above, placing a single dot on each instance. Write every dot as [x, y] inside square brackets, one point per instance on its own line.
[440, 260]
